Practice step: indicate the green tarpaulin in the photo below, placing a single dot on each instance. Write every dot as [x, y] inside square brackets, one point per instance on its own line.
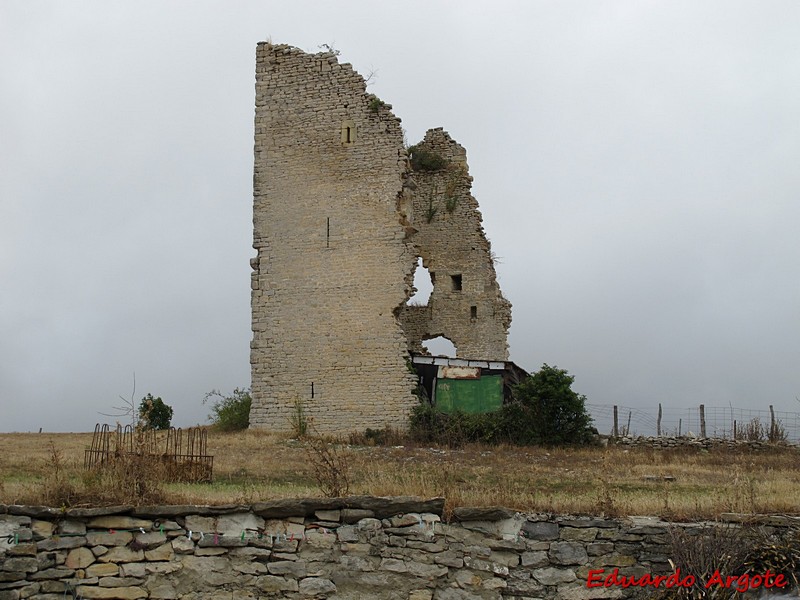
[470, 396]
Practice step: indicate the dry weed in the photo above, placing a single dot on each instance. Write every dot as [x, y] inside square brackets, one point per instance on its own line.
[255, 465]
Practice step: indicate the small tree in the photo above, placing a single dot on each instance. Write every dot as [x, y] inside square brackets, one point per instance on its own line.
[546, 410]
[230, 413]
[154, 413]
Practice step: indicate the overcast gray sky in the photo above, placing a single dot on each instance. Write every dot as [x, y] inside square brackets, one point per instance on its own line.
[637, 164]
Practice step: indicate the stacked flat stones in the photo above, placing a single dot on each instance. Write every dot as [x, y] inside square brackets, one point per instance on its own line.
[353, 548]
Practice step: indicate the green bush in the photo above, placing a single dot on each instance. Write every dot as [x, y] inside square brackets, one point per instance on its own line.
[154, 413]
[425, 160]
[547, 411]
[544, 411]
[429, 426]
[229, 413]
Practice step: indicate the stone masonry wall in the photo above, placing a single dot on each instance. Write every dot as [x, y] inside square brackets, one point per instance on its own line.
[469, 310]
[666, 442]
[339, 222]
[332, 260]
[340, 549]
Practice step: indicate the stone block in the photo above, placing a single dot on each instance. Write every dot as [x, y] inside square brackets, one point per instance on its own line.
[22, 564]
[578, 534]
[119, 522]
[292, 568]
[354, 515]
[104, 570]
[347, 533]
[615, 559]
[122, 554]
[328, 515]
[430, 572]
[182, 545]
[271, 584]
[535, 559]
[121, 593]
[42, 529]
[28, 549]
[313, 586]
[553, 576]
[79, 558]
[70, 527]
[394, 565]
[568, 553]
[163, 552]
[540, 530]
[119, 581]
[56, 573]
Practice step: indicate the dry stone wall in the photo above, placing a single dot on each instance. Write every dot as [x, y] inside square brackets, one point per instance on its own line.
[697, 443]
[340, 549]
[339, 224]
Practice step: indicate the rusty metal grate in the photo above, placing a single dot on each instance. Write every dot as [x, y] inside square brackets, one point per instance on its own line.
[182, 454]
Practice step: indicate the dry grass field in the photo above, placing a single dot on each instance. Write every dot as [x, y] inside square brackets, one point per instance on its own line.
[253, 466]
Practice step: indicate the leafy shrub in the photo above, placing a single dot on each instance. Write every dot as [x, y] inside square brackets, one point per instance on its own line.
[428, 425]
[426, 160]
[230, 413]
[545, 411]
[376, 104]
[154, 413]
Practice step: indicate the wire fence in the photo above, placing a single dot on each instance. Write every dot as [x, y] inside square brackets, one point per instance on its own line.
[701, 421]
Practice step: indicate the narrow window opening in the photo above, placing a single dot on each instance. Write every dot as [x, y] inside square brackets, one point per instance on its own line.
[457, 283]
[473, 312]
[348, 132]
[328, 234]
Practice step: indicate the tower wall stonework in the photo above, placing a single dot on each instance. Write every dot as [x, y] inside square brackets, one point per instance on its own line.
[331, 253]
[466, 305]
[340, 220]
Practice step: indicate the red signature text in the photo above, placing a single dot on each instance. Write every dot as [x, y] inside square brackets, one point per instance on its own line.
[741, 583]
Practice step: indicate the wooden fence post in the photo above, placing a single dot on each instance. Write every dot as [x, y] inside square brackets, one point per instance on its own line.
[702, 421]
[658, 423]
[772, 434]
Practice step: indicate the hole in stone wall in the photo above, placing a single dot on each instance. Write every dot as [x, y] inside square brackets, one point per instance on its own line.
[456, 280]
[423, 281]
[473, 312]
[348, 132]
[440, 346]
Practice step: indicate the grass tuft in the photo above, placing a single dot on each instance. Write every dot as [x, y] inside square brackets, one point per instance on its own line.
[253, 465]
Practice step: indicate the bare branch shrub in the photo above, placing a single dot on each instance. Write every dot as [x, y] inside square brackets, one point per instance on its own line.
[57, 489]
[330, 466]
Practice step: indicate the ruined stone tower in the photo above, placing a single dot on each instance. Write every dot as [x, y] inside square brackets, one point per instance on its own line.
[340, 219]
